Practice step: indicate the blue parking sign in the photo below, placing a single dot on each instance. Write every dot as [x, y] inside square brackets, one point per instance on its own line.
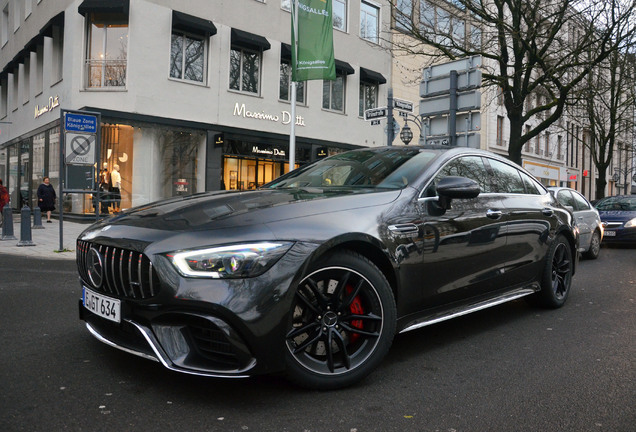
[80, 123]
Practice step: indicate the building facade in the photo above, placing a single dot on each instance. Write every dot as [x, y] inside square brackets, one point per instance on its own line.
[193, 96]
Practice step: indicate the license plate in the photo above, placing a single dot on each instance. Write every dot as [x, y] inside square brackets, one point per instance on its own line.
[609, 233]
[105, 307]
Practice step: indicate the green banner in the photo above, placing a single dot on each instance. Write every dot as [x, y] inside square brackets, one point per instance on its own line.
[312, 49]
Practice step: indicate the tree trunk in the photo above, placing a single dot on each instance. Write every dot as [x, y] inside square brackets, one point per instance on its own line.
[515, 145]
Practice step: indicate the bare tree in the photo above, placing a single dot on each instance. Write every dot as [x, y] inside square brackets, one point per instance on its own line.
[606, 103]
[535, 52]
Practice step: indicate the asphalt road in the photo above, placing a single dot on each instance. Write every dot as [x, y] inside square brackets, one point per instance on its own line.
[510, 368]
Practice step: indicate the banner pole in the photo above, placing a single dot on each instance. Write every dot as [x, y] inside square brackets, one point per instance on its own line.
[294, 87]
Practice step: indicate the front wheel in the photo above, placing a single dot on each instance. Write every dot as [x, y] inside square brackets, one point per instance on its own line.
[557, 275]
[342, 324]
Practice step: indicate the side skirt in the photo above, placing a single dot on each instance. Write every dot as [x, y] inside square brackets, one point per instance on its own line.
[466, 309]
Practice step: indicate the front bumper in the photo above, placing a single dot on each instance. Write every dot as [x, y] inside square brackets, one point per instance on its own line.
[200, 326]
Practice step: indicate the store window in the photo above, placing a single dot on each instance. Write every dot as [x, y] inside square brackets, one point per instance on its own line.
[180, 155]
[107, 50]
[39, 153]
[368, 97]
[12, 184]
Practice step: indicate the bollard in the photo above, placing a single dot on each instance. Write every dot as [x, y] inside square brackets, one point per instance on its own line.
[25, 227]
[7, 223]
[37, 218]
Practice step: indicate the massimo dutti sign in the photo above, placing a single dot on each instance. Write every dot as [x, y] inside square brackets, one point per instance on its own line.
[53, 102]
[240, 110]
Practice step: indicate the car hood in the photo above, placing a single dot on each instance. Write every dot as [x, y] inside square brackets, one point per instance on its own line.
[617, 215]
[230, 214]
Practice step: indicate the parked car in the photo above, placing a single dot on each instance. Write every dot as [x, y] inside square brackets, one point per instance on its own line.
[314, 273]
[587, 220]
[618, 214]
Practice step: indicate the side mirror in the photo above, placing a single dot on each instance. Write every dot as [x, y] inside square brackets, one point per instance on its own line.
[451, 187]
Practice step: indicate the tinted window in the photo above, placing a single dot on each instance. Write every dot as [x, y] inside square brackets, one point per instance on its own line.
[617, 203]
[581, 203]
[533, 187]
[506, 178]
[565, 198]
[471, 167]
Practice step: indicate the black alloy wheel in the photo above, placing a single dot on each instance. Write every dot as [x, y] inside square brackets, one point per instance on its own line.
[557, 277]
[342, 324]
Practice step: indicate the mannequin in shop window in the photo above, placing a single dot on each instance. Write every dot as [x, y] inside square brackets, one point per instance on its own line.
[115, 180]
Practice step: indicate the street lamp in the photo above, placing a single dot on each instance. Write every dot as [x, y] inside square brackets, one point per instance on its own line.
[406, 134]
[625, 172]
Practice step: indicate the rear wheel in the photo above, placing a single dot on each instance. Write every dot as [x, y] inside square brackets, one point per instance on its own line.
[342, 324]
[557, 275]
[595, 246]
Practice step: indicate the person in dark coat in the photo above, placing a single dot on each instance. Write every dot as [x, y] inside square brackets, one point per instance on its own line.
[46, 198]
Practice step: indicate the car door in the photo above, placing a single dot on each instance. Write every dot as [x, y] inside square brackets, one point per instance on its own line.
[446, 256]
[567, 199]
[531, 217]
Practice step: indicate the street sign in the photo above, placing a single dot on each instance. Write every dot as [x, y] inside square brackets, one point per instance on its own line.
[472, 140]
[375, 122]
[375, 113]
[437, 85]
[80, 123]
[403, 105]
[466, 101]
[80, 149]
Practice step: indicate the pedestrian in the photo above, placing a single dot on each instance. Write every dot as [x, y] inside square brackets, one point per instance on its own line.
[115, 182]
[46, 198]
[4, 199]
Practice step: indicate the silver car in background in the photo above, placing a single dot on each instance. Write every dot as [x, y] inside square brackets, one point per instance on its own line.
[587, 219]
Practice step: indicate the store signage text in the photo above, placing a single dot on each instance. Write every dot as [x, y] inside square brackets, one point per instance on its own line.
[284, 117]
[273, 152]
[54, 102]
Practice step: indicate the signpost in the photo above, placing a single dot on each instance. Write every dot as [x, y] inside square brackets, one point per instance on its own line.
[79, 153]
[450, 93]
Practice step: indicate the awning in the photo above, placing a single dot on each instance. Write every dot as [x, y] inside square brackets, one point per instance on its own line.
[285, 51]
[249, 40]
[367, 75]
[103, 6]
[344, 68]
[192, 24]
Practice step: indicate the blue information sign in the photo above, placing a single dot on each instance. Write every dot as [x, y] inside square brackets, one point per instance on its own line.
[80, 123]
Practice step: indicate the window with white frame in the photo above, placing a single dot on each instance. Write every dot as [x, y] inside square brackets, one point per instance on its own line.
[333, 93]
[369, 22]
[107, 50]
[284, 92]
[339, 13]
[404, 14]
[500, 125]
[188, 57]
[368, 97]
[245, 70]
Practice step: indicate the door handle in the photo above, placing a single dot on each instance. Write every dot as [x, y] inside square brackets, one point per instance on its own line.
[493, 214]
[547, 212]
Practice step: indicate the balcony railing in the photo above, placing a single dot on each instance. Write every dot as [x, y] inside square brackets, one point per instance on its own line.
[105, 73]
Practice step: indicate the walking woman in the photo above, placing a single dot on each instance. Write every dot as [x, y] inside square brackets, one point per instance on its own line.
[46, 198]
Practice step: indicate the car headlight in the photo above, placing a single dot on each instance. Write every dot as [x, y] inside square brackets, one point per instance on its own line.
[630, 223]
[233, 261]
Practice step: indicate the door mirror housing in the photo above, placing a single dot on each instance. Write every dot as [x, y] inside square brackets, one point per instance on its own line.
[452, 187]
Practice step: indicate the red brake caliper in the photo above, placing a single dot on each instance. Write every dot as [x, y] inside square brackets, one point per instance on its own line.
[357, 309]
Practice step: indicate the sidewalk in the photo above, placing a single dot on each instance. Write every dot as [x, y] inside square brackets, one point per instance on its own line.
[46, 241]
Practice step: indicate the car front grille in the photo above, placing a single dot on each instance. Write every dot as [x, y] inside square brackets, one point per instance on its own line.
[124, 273]
[612, 225]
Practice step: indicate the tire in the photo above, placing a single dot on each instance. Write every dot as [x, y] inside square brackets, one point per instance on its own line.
[595, 246]
[557, 275]
[342, 322]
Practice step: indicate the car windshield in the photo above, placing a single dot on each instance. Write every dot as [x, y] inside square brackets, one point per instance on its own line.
[386, 168]
[617, 203]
